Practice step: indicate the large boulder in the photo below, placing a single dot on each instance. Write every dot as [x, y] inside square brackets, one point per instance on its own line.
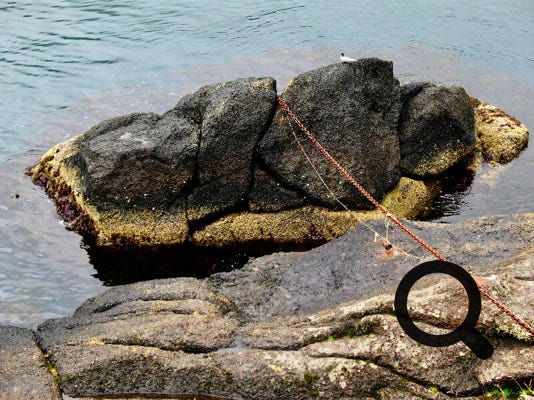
[352, 109]
[222, 167]
[234, 116]
[138, 160]
[143, 179]
[436, 128]
[307, 325]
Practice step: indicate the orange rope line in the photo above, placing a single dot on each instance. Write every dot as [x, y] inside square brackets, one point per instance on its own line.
[394, 219]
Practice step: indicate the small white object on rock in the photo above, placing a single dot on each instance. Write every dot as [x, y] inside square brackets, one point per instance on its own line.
[344, 58]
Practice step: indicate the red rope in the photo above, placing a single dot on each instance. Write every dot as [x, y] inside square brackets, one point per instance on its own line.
[394, 219]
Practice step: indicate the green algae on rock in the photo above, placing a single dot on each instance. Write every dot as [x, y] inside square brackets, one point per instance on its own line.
[501, 136]
[312, 224]
[222, 167]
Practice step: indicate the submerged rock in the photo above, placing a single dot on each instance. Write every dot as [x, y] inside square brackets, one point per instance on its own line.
[307, 325]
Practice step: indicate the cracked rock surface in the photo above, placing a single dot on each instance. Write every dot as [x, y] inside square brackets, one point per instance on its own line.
[23, 369]
[353, 109]
[317, 324]
[226, 154]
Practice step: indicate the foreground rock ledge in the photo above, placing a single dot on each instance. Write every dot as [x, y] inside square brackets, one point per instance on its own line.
[317, 324]
[23, 368]
[222, 168]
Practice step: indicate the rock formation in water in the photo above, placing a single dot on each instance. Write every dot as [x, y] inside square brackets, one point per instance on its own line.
[316, 324]
[222, 168]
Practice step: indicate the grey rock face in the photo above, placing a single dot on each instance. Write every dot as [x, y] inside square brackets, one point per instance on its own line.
[144, 160]
[222, 167]
[354, 267]
[352, 109]
[299, 325]
[436, 128]
[202, 150]
[234, 116]
[268, 195]
[23, 369]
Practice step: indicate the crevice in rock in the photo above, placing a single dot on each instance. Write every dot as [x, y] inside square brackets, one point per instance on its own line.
[171, 396]
[201, 223]
[256, 158]
[49, 364]
[182, 348]
[406, 378]
[514, 385]
[144, 313]
[288, 186]
[195, 180]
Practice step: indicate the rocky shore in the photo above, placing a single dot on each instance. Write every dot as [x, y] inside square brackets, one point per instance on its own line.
[317, 324]
[222, 170]
[222, 167]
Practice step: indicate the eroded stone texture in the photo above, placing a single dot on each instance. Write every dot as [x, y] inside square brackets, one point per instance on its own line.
[352, 109]
[308, 325]
[23, 369]
[436, 128]
[310, 224]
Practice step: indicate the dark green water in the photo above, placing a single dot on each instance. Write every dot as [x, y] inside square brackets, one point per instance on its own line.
[66, 65]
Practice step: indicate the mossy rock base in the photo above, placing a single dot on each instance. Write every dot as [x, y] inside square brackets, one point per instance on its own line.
[501, 136]
[132, 228]
[312, 224]
[115, 228]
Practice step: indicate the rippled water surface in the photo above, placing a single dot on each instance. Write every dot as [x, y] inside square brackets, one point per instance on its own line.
[66, 65]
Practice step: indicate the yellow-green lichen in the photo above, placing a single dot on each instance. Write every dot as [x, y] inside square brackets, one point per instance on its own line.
[501, 136]
[121, 227]
[310, 223]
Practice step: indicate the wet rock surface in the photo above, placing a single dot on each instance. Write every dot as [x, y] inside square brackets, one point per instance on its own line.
[436, 128]
[352, 109]
[23, 368]
[317, 324]
[501, 136]
[226, 153]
